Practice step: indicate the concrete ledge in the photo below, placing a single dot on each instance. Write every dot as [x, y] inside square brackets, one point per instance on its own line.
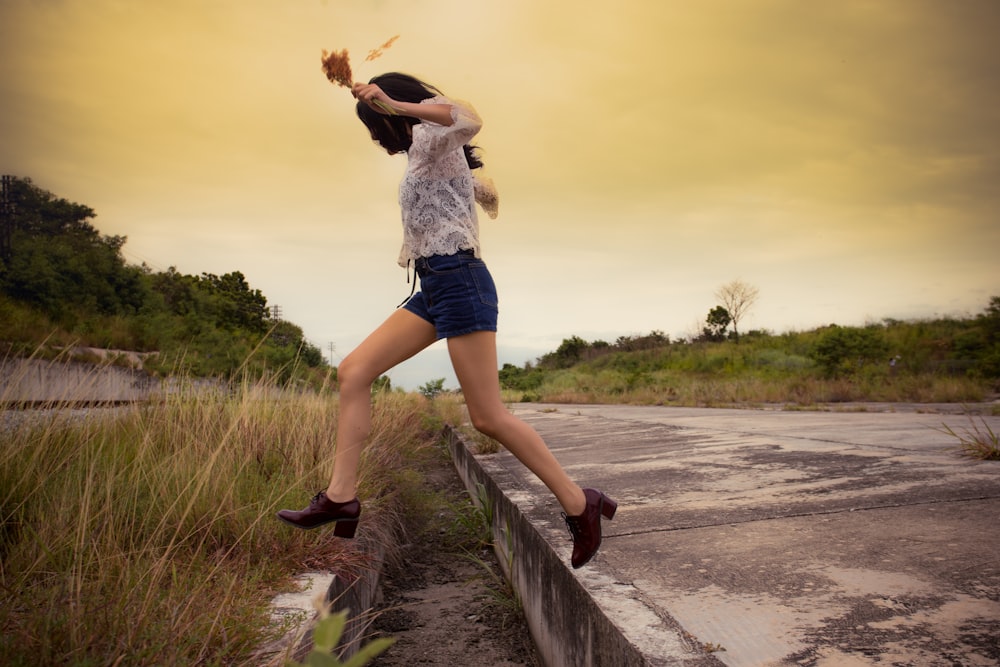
[35, 381]
[568, 624]
[355, 591]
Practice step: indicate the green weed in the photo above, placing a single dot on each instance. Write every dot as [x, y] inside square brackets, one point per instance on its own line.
[326, 636]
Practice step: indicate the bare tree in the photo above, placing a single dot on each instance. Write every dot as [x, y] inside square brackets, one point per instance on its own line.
[737, 297]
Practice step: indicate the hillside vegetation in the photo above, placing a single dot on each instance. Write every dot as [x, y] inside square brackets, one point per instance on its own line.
[64, 284]
[940, 360]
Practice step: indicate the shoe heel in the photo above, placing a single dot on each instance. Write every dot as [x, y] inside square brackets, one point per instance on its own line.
[345, 528]
[608, 507]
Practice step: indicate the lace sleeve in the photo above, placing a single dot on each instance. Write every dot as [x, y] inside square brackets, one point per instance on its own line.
[486, 195]
[466, 123]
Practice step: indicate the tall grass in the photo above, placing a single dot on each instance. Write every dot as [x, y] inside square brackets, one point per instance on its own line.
[146, 534]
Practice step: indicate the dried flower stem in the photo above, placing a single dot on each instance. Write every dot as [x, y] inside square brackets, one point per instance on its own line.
[375, 53]
[337, 67]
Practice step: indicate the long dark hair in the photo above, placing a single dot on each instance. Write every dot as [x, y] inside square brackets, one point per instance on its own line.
[395, 133]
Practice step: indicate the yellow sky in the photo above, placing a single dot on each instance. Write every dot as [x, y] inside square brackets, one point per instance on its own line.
[842, 157]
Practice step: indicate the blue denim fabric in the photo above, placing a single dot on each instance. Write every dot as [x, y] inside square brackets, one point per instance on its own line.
[457, 294]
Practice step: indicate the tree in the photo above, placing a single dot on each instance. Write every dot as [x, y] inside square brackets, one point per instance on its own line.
[569, 352]
[521, 379]
[737, 297]
[845, 350]
[989, 323]
[651, 341]
[241, 306]
[59, 261]
[717, 321]
[61, 272]
[432, 388]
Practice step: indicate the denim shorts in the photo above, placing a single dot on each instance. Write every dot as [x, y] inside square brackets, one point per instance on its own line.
[457, 294]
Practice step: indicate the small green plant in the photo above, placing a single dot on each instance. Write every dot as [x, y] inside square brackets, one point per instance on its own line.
[508, 538]
[483, 503]
[326, 636]
[432, 388]
[978, 441]
[477, 522]
[473, 520]
[501, 595]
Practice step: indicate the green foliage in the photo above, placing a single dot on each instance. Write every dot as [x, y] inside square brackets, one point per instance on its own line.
[654, 339]
[568, 353]
[715, 324]
[473, 521]
[58, 258]
[986, 339]
[942, 360]
[524, 379]
[66, 283]
[326, 636]
[432, 388]
[575, 350]
[846, 350]
[239, 306]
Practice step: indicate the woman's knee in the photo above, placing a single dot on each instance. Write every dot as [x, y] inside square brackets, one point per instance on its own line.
[489, 422]
[352, 375]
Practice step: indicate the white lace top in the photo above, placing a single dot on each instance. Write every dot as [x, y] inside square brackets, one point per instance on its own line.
[438, 193]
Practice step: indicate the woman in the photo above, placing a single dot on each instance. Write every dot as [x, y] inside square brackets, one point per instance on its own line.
[457, 301]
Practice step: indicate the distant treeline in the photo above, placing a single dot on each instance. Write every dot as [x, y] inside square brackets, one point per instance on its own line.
[63, 283]
[943, 359]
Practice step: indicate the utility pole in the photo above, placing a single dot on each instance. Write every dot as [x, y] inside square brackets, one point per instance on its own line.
[332, 346]
[276, 312]
[6, 215]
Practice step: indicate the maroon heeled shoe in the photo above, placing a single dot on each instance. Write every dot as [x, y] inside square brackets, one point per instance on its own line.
[586, 528]
[322, 511]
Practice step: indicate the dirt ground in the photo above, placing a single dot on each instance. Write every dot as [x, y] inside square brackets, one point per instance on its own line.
[447, 602]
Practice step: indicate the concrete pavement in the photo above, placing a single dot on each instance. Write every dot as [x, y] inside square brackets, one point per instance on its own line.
[752, 537]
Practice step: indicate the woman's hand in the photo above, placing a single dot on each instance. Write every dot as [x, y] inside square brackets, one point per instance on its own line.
[375, 97]
[369, 93]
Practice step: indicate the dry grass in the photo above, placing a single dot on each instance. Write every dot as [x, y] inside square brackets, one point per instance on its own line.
[702, 390]
[145, 535]
[977, 441]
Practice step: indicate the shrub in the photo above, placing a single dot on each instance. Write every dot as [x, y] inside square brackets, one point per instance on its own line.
[845, 350]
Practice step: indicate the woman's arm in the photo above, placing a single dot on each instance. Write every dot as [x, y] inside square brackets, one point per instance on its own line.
[434, 113]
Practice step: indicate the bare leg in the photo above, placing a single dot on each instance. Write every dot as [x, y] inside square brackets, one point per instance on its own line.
[474, 357]
[400, 337]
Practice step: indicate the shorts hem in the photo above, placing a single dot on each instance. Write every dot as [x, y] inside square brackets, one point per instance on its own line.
[462, 332]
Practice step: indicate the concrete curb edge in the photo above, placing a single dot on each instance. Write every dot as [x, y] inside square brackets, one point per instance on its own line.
[568, 626]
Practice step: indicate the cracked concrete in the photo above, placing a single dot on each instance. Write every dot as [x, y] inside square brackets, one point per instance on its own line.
[749, 537]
